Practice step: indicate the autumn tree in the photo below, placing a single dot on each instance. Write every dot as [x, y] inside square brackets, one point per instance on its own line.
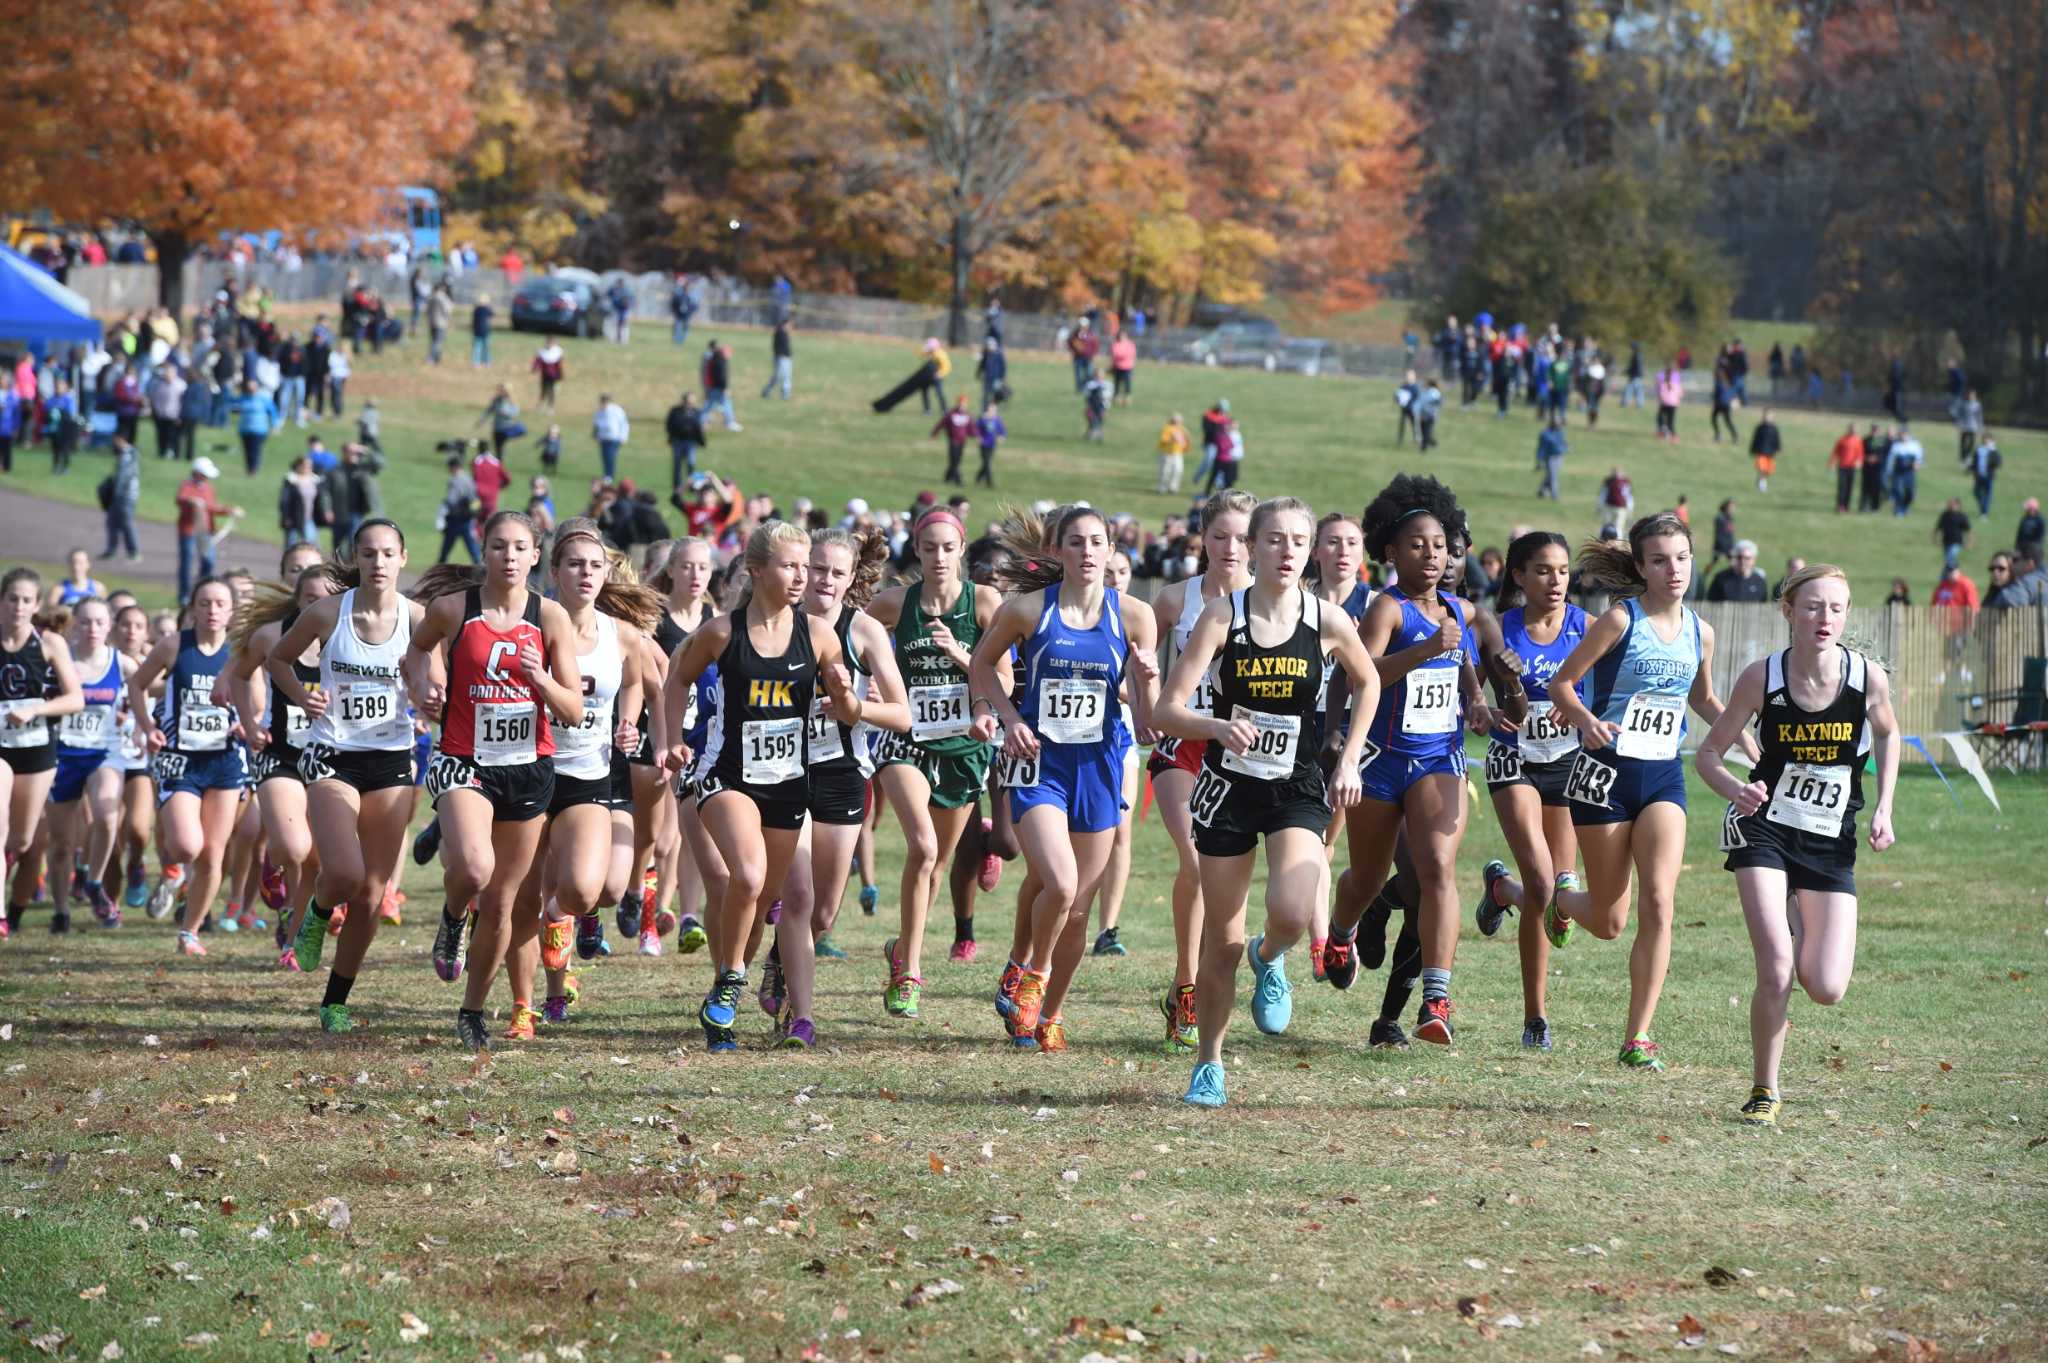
[190, 119]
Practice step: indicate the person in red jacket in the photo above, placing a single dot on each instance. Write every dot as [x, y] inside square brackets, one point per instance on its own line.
[957, 424]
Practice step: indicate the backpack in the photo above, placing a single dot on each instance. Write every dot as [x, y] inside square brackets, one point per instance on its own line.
[107, 493]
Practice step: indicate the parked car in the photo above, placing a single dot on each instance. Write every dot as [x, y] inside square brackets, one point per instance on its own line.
[552, 303]
[1249, 341]
[1303, 355]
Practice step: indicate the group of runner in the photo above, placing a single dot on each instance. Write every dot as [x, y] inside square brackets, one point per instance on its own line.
[587, 741]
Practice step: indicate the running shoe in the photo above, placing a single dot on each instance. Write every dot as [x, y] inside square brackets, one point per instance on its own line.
[1433, 1023]
[387, 912]
[629, 914]
[283, 934]
[287, 959]
[230, 919]
[1386, 1035]
[1006, 990]
[311, 941]
[825, 949]
[189, 943]
[334, 1018]
[1106, 944]
[60, 922]
[964, 952]
[426, 844]
[449, 947]
[1178, 1007]
[337, 920]
[249, 921]
[1030, 998]
[572, 988]
[771, 994]
[470, 1029]
[555, 1008]
[1490, 912]
[1762, 1108]
[798, 1035]
[693, 938]
[590, 937]
[1316, 949]
[103, 906]
[774, 913]
[273, 885]
[718, 1011]
[6, 925]
[1051, 1035]
[1536, 1035]
[1640, 1053]
[665, 922]
[554, 943]
[1272, 995]
[650, 943]
[524, 1025]
[137, 893]
[1340, 960]
[1556, 926]
[991, 873]
[903, 995]
[1370, 935]
[1205, 1086]
[869, 897]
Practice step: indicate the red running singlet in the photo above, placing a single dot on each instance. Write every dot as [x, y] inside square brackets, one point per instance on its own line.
[494, 715]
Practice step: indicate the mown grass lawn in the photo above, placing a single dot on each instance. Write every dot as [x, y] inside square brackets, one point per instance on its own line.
[176, 1134]
[1329, 440]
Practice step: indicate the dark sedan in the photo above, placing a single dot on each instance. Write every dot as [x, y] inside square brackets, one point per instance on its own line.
[559, 305]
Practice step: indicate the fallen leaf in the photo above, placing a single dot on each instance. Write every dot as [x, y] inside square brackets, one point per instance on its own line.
[1475, 1263]
[1946, 1067]
[93, 1293]
[1720, 1277]
[111, 1352]
[412, 1329]
[938, 1165]
[1468, 1306]
[1510, 1321]
[1689, 1327]
[202, 1339]
[318, 1339]
[926, 1293]
[177, 1162]
[1538, 1142]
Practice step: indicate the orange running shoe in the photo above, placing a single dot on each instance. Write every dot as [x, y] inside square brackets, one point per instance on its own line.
[554, 943]
[388, 910]
[337, 920]
[1030, 998]
[524, 1025]
[1052, 1036]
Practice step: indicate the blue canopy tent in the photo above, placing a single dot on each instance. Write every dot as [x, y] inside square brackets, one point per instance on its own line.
[35, 308]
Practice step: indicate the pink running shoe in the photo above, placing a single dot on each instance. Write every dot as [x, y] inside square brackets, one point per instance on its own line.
[273, 886]
[962, 953]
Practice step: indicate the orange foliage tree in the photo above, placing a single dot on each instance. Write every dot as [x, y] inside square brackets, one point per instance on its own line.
[190, 118]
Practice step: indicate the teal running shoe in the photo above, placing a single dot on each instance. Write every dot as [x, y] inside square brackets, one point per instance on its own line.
[1205, 1086]
[1272, 995]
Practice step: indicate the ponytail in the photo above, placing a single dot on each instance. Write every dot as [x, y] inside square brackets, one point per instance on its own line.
[1615, 567]
[445, 578]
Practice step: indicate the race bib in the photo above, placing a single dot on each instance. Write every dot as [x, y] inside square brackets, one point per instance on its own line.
[771, 751]
[1271, 755]
[938, 711]
[690, 709]
[1811, 799]
[368, 712]
[1590, 781]
[1210, 792]
[1432, 702]
[1203, 702]
[134, 752]
[297, 724]
[202, 725]
[505, 733]
[31, 735]
[826, 743]
[91, 727]
[1650, 727]
[1016, 773]
[587, 734]
[1503, 764]
[1070, 709]
[1545, 736]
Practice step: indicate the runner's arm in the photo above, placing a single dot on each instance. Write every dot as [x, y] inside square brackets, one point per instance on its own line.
[1727, 729]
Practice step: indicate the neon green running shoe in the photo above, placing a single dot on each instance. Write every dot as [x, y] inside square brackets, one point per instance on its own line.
[334, 1018]
[1556, 926]
[693, 938]
[1641, 1054]
[311, 941]
[902, 996]
[1762, 1108]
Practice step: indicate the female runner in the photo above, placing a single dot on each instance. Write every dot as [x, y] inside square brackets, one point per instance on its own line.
[356, 755]
[684, 578]
[37, 684]
[131, 759]
[1414, 776]
[196, 763]
[1175, 762]
[1339, 555]
[1648, 656]
[1527, 766]
[276, 733]
[933, 775]
[1116, 879]
[85, 800]
[1260, 777]
[844, 569]
[608, 617]
[1063, 742]
[1790, 831]
[511, 656]
[752, 789]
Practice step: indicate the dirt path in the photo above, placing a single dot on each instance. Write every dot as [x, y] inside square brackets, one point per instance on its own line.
[39, 530]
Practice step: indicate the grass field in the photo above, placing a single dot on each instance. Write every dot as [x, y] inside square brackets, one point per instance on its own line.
[1329, 440]
[175, 1130]
[176, 1133]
